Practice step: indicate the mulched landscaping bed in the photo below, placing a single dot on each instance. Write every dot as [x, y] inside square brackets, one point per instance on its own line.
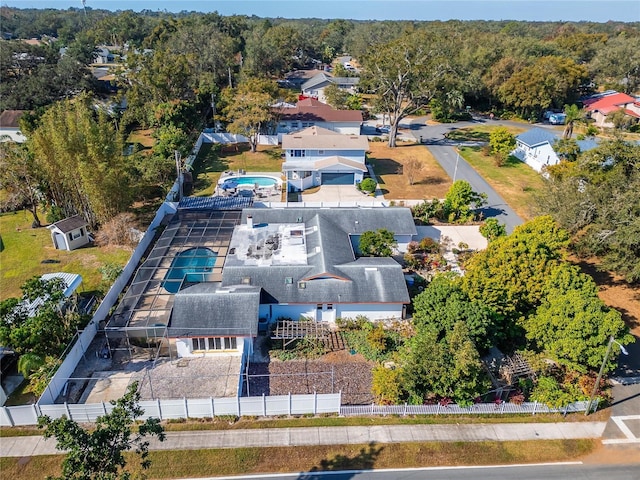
[331, 373]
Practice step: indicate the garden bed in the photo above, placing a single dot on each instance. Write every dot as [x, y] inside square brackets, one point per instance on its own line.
[331, 373]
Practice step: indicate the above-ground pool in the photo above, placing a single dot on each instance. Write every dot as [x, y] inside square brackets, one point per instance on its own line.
[192, 266]
[244, 180]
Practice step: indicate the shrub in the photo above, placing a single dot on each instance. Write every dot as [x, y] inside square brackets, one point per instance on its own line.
[368, 185]
[120, 230]
[386, 385]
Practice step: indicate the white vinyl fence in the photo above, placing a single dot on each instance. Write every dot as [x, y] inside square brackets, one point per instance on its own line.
[182, 408]
[453, 409]
[83, 341]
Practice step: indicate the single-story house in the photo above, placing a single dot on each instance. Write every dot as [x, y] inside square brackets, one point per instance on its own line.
[310, 112]
[208, 317]
[296, 78]
[10, 126]
[314, 87]
[535, 148]
[317, 156]
[292, 263]
[600, 107]
[70, 233]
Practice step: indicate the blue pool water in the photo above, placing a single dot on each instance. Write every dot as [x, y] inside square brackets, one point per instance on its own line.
[261, 181]
[192, 266]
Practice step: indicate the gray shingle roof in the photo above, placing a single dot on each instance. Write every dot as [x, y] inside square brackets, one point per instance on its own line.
[537, 136]
[69, 224]
[332, 273]
[207, 309]
[354, 221]
[321, 138]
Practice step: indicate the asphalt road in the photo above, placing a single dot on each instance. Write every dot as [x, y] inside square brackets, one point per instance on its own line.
[433, 136]
[458, 169]
[508, 472]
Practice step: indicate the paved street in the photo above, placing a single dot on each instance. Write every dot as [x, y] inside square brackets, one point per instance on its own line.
[458, 169]
[559, 471]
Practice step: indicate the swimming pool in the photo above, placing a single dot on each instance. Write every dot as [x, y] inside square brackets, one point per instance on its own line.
[244, 180]
[192, 265]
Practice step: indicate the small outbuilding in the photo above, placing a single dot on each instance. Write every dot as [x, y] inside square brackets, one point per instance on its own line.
[70, 233]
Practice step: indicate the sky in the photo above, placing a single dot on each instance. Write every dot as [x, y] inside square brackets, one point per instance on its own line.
[530, 10]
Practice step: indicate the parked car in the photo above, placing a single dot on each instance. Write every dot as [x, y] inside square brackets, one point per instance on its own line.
[557, 119]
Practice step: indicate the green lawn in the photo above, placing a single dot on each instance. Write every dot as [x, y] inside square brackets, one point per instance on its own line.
[199, 463]
[29, 252]
[515, 181]
[210, 163]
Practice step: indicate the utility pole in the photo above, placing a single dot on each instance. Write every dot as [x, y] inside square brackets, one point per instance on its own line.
[179, 172]
[455, 170]
[602, 367]
[213, 111]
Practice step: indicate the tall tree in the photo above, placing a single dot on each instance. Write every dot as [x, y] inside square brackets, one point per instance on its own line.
[79, 153]
[98, 453]
[443, 303]
[550, 81]
[406, 73]
[249, 108]
[509, 276]
[20, 178]
[575, 328]
[596, 201]
[573, 115]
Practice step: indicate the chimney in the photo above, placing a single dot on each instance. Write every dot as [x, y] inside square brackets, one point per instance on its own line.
[250, 221]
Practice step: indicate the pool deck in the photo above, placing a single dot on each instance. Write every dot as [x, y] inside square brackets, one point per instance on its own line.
[262, 192]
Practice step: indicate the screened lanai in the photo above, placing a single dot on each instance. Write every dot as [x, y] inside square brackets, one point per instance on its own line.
[191, 249]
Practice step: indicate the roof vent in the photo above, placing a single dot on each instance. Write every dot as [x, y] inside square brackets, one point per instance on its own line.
[246, 281]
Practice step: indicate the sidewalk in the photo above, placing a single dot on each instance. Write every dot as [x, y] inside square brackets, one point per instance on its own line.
[288, 437]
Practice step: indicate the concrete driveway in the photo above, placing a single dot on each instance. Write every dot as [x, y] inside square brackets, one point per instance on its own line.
[338, 193]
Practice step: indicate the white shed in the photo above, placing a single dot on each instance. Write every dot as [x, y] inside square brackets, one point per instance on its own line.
[70, 233]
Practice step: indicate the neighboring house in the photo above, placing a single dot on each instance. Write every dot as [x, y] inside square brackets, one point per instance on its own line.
[103, 55]
[71, 283]
[10, 126]
[317, 156]
[535, 148]
[297, 78]
[310, 112]
[314, 87]
[70, 233]
[601, 106]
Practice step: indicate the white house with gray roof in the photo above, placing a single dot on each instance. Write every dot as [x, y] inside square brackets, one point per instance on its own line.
[317, 156]
[535, 148]
[315, 86]
[293, 263]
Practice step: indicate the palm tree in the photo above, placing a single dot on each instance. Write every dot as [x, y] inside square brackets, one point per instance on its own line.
[573, 114]
[29, 363]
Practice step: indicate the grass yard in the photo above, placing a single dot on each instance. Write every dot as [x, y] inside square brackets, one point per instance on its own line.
[200, 463]
[143, 137]
[29, 252]
[431, 181]
[211, 163]
[515, 181]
